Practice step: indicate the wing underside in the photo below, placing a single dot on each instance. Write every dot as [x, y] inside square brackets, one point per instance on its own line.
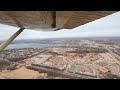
[50, 20]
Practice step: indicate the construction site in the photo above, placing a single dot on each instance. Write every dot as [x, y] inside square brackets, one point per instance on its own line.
[61, 62]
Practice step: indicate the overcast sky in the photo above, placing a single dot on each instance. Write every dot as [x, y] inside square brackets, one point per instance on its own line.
[107, 26]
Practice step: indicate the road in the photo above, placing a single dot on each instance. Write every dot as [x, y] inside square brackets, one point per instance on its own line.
[115, 57]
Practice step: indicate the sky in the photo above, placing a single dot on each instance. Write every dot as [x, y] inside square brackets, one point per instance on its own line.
[106, 26]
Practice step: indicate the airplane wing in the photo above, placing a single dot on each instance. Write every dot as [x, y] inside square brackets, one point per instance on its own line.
[50, 20]
[82, 17]
[47, 20]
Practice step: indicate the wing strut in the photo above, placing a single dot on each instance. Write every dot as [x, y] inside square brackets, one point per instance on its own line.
[6, 43]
